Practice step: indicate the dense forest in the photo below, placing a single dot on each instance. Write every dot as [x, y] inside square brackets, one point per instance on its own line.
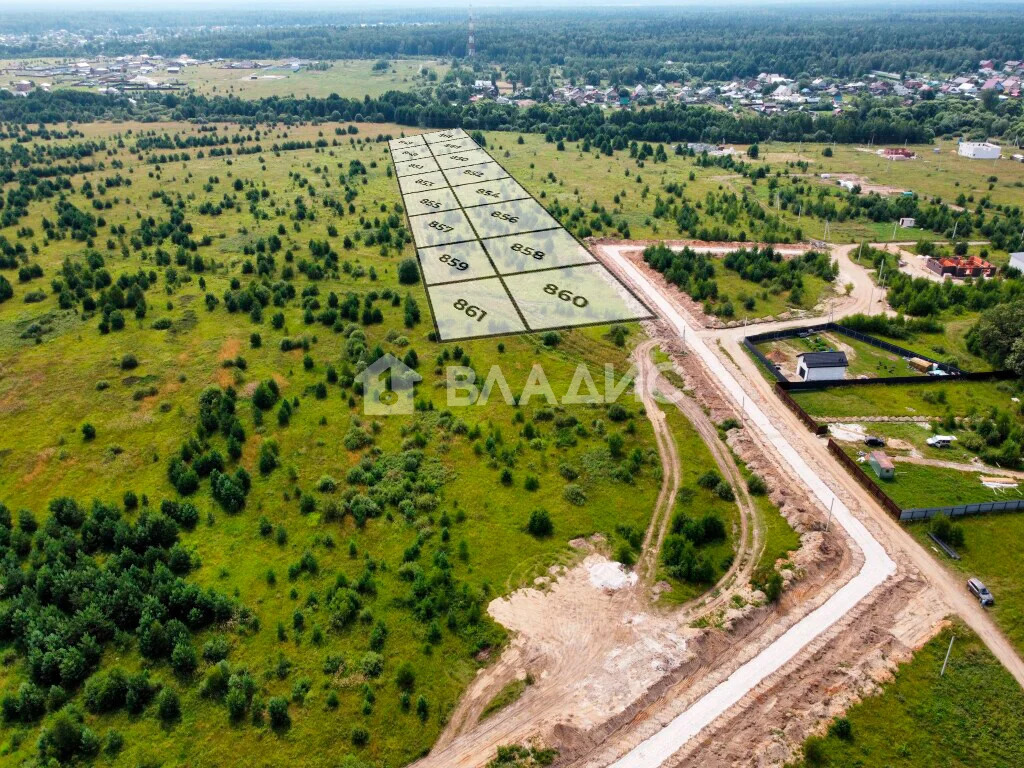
[619, 45]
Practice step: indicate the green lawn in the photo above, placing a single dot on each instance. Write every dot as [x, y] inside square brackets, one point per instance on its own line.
[917, 485]
[968, 718]
[927, 400]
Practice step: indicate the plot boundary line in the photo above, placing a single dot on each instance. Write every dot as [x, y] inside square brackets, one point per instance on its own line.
[479, 239]
[483, 244]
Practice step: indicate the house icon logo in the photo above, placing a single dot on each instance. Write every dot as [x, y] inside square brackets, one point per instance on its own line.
[388, 387]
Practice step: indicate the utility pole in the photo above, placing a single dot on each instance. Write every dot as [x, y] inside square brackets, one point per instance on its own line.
[830, 506]
[948, 651]
[894, 225]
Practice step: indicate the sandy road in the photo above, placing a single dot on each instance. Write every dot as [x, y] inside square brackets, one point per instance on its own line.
[877, 566]
[741, 379]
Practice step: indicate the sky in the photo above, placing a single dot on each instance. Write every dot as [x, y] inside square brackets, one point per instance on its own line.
[343, 6]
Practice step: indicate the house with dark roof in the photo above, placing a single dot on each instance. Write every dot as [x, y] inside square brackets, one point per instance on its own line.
[821, 366]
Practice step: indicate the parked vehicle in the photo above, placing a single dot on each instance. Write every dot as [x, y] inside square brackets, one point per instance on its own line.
[980, 591]
[874, 441]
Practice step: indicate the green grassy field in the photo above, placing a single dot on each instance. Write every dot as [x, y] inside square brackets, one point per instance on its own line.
[695, 501]
[967, 718]
[991, 553]
[962, 398]
[918, 485]
[348, 78]
[462, 507]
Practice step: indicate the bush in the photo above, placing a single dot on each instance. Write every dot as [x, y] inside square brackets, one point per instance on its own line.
[947, 530]
[168, 706]
[725, 492]
[372, 664]
[129, 362]
[277, 709]
[540, 524]
[360, 736]
[709, 479]
[814, 751]
[405, 677]
[756, 486]
[88, 432]
[574, 494]
[408, 272]
[841, 728]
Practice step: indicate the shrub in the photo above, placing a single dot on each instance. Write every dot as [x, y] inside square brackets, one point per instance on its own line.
[947, 530]
[408, 272]
[756, 486]
[88, 432]
[574, 494]
[405, 676]
[215, 649]
[814, 751]
[841, 728]
[277, 709]
[129, 362]
[168, 706]
[372, 664]
[725, 492]
[360, 736]
[709, 479]
[540, 524]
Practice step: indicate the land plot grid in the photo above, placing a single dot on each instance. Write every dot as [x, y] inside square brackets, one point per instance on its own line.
[493, 260]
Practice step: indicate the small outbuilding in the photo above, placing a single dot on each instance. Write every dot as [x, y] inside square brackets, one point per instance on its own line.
[821, 366]
[882, 465]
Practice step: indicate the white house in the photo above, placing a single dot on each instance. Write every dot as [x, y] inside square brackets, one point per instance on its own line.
[979, 150]
[821, 366]
[1017, 260]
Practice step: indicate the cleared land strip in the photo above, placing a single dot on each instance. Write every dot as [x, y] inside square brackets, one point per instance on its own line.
[877, 567]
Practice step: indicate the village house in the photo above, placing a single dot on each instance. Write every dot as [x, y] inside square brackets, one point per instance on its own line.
[821, 366]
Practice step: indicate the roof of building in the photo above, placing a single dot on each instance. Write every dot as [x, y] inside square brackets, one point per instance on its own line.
[824, 359]
[882, 460]
[968, 262]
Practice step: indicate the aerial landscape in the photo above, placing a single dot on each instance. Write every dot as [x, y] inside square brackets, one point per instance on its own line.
[507, 386]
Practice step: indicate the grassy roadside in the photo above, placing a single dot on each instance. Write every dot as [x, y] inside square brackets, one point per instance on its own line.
[969, 718]
[991, 551]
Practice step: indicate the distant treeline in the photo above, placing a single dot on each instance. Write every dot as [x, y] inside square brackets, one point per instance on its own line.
[625, 47]
[877, 120]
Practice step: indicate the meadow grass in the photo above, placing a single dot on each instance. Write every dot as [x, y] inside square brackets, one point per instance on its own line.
[967, 718]
[990, 552]
[48, 390]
